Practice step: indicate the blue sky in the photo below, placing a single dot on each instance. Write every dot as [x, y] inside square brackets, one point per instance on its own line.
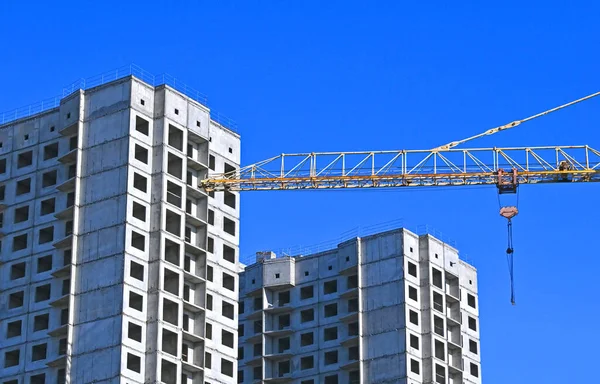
[349, 75]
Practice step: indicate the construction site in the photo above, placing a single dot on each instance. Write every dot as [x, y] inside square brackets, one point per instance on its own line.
[120, 206]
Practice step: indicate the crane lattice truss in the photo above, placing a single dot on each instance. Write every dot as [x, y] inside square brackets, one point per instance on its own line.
[504, 167]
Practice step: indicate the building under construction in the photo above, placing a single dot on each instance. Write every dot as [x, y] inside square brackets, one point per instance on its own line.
[392, 307]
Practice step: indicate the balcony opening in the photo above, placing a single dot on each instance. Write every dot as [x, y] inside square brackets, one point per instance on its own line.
[283, 344]
[173, 223]
[169, 342]
[307, 339]
[284, 298]
[307, 292]
[229, 226]
[170, 312]
[70, 199]
[307, 362]
[412, 293]
[227, 338]
[284, 368]
[353, 305]
[414, 341]
[39, 352]
[175, 166]
[436, 277]
[413, 317]
[207, 360]
[49, 179]
[17, 271]
[257, 373]
[352, 282]
[186, 293]
[471, 300]
[136, 301]
[136, 271]
[412, 269]
[134, 332]
[13, 329]
[174, 194]
[208, 331]
[142, 125]
[25, 159]
[258, 303]
[134, 363]
[353, 329]
[11, 358]
[438, 302]
[50, 151]
[44, 264]
[440, 350]
[331, 310]
[228, 168]
[211, 162]
[258, 326]
[19, 242]
[62, 347]
[228, 282]
[440, 374]
[175, 138]
[353, 353]
[331, 357]
[330, 287]
[46, 235]
[21, 214]
[473, 346]
[64, 316]
[48, 206]
[42, 293]
[307, 315]
[227, 310]
[209, 302]
[227, 367]
[229, 199]
[438, 325]
[330, 334]
[140, 182]
[415, 367]
[171, 282]
[138, 241]
[228, 254]
[172, 252]
[23, 187]
[41, 322]
[472, 324]
[73, 142]
[257, 349]
[141, 154]
[72, 171]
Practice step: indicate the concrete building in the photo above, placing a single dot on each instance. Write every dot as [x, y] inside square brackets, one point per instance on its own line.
[388, 308]
[115, 267]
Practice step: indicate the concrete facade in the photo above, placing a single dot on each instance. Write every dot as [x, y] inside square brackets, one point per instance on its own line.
[114, 266]
[388, 308]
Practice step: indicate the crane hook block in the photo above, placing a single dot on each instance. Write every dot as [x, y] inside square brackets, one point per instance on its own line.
[508, 212]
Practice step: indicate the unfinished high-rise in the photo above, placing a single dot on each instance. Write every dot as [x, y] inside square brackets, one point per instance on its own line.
[392, 307]
[115, 266]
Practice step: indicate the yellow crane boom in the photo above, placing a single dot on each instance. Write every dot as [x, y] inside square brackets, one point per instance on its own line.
[441, 166]
[414, 168]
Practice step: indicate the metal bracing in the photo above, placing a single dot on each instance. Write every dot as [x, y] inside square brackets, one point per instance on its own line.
[413, 168]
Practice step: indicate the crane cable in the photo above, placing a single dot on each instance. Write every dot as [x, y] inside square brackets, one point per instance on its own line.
[510, 261]
[512, 124]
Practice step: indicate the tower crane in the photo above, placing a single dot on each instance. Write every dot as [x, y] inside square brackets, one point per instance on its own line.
[443, 166]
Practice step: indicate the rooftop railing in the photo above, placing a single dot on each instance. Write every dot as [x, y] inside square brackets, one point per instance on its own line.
[107, 77]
